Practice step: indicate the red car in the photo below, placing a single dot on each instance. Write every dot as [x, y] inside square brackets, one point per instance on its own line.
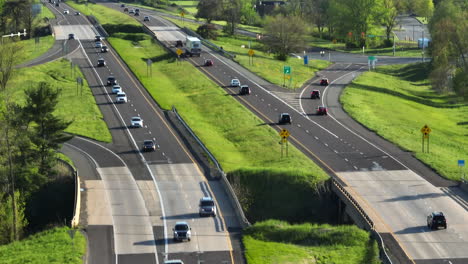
[324, 81]
[209, 62]
[322, 110]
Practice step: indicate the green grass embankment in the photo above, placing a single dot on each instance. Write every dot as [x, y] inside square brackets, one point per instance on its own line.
[31, 49]
[278, 242]
[51, 246]
[80, 108]
[403, 93]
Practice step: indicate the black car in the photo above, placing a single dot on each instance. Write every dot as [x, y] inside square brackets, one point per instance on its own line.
[122, 5]
[148, 145]
[244, 90]
[104, 48]
[179, 43]
[77, 13]
[315, 94]
[97, 38]
[137, 13]
[436, 220]
[111, 80]
[101, 62]
[71, 36]
[285, 118]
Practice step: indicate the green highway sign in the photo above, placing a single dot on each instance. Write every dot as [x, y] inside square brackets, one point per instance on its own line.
[371, 58]
[287, 69]
[371, 36]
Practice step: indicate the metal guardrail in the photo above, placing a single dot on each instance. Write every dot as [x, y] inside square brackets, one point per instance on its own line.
[77, 204]
[237, 206]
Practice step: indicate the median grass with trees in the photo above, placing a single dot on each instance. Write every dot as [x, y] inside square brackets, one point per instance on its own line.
[404, 93]
[246, 147]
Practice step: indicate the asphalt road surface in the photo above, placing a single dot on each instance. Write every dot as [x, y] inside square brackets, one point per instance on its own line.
[396, 188]
[134, 198]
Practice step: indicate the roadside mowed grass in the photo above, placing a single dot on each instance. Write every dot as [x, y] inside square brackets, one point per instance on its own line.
[279, 242]
[50, 246]
[185, 3]
[404, 93]
[104, 14]
[31, 50]
[77, 105]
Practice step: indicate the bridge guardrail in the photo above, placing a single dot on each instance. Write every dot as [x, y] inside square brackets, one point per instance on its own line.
[224, 181]
[77, 203]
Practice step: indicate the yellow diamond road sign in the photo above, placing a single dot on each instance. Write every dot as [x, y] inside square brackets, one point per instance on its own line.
[425, 130]
[179, 51]
[284, 133]
[251, 52]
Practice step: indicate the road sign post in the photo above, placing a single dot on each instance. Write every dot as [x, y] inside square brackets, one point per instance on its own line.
[251, 52]
[461, 164]
[286, 70]
[425, 130]
[149, 70]
[284, 134]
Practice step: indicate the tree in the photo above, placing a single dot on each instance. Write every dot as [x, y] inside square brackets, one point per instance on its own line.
[388, 15]
[424, 8]
[7, 230]
[284, 35]
[15, 10]
[48, 132]
[231, 12]
[9, 56]
[209, 10]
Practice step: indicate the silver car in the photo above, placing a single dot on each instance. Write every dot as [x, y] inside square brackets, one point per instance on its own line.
[136, 121]
[182, 231]
[207, 206]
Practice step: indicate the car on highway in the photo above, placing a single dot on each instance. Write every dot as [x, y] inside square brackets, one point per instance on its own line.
[121, 98]
[235, 82]
[137, 13]
[77, 13]
[179, 43]
[436, 220]
[97, 38]
[132, 11]
[57, 4]
[146, 18]
[285, 118]
[101, 62]
[324, 81]
[71, 36]
[126, 9]
[104, 48]
[98, 44]
[207, 207]
[315, 94]
[116, 89]
[136, 121]
[66, 11]
[122, 5]
[208, 62]
[244, 90]
[137, 10]
[149, 145]
[182, 231]
[111, 80]
[174, 261]
[322, 110]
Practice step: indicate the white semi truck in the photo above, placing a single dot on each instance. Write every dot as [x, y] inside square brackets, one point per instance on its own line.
[193, 46]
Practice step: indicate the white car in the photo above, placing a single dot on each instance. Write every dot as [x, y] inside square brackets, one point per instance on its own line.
[116, 89]
[136, 121]
[66, 11]
[98, 44]
[235, 83]
[121, 97]
[146, 18]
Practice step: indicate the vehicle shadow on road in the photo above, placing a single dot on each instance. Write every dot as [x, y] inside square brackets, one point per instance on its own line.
[182, 216]
[145, 243]
[415, 197]
[412, 230]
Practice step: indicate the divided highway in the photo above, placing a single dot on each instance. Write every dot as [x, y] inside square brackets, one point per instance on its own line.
[134, 198]
[397, 191]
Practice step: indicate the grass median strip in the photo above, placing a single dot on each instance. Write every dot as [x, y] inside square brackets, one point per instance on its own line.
[51, 246]
[404, 92]
[76, 103]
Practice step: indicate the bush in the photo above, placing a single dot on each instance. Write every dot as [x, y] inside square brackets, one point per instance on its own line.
[135, 37]
[208, 31]
[122, 28]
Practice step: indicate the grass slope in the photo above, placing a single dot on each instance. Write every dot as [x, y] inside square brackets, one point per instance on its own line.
[81, 109]
[31, 50]
[51, 246]
[404, 92]
[278, 242]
